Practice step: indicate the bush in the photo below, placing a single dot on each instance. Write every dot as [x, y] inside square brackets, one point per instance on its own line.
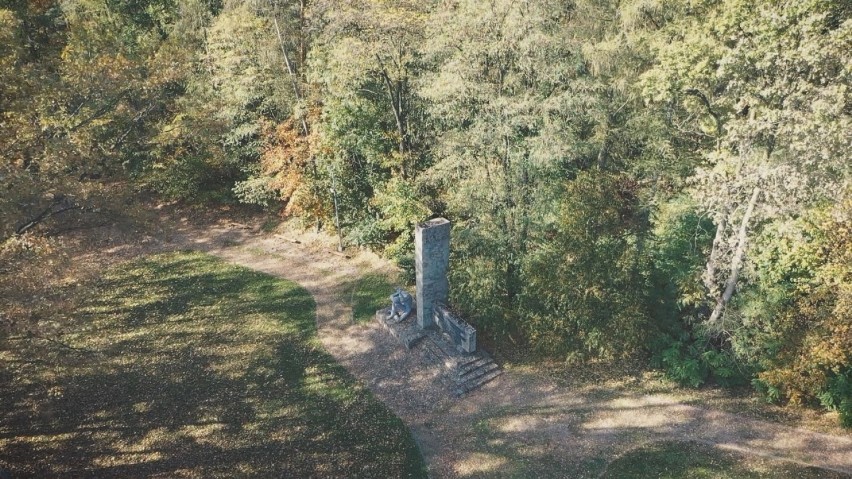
[478, 283]
[837, 396]
[695, 362]
[194, 178]
[681, 363]
[680, 240]
[798, 316]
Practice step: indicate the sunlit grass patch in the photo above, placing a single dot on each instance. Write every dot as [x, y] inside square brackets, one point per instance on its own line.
[369, 294]
[675, 460]
[181, 365]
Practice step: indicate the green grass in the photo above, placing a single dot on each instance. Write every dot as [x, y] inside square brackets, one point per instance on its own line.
[369, 294]
[675, 460]
[179, 365]
[499, 455]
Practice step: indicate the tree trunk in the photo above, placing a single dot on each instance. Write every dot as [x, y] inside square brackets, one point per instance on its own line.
[395, 93]
[736, 263]
[710, 272]
[292, 71]
[63, 204]
[602, 153]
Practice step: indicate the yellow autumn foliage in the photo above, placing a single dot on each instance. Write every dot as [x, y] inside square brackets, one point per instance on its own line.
[820, 317]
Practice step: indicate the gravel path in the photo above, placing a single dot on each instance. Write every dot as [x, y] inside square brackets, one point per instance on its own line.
[519, 424]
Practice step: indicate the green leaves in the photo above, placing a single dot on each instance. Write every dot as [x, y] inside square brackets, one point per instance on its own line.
[613, 169]
[598, 304]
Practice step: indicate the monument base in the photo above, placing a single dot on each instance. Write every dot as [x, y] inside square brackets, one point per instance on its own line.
[460, 372]
[406, 331]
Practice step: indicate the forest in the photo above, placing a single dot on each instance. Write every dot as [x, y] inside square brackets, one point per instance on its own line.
[657, 180]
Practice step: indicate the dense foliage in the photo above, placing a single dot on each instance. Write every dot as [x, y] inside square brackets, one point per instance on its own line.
[635, 177]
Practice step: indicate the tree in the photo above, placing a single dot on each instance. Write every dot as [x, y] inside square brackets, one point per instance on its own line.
[599, 305]
[524, 95]
[775, 113]
[370, 135]
[236, 84]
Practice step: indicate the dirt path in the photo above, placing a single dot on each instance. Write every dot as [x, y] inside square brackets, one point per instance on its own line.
[519, 425]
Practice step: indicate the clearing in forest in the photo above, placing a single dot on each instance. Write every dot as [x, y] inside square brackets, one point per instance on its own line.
[525, 423]
[178, 365]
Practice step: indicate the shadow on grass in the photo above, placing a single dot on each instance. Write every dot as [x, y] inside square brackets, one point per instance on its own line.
[369, 294]
[588, 438]
[200, 369]
[676, 459]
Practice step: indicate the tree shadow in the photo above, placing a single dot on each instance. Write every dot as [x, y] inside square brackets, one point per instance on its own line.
[201, 369]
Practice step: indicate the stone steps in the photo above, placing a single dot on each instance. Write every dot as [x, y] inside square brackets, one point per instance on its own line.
[479, 371]
[465, 360]
[461, 373]
[470, 366]
[474, 372]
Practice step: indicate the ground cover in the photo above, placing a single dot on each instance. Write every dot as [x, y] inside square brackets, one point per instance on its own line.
[178, 365]
[597, 422]
[675, 460]
[552, 441]
[370, 293]
[608, 378]
[538, 420]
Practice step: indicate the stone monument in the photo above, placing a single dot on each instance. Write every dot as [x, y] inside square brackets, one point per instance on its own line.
[443, 338]
[431, 261]
[461, 334]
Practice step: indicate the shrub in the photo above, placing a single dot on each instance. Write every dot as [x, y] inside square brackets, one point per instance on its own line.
[805, 349]
[696, 362]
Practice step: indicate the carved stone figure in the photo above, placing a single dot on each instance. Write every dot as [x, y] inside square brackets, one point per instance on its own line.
[401, 306]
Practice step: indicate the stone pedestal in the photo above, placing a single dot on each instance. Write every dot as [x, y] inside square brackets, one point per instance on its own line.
[432, 259]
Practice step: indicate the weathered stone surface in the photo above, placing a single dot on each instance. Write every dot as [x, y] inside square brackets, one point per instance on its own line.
[462, 372]
[462, 334]
[441, 338]
[432, 259]
[407, 332]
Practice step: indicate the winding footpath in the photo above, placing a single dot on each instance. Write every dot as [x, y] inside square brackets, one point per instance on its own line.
[517, 425]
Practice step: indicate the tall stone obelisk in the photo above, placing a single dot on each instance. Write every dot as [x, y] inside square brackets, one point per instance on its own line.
[431, 261]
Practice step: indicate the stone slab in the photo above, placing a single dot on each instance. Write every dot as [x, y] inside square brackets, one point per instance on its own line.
[461, 334]
[431, 262]
[406, 331]
[461, 372]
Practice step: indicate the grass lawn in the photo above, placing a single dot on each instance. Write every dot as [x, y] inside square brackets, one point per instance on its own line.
[370, 293]
[675, 460]
[179, 365]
